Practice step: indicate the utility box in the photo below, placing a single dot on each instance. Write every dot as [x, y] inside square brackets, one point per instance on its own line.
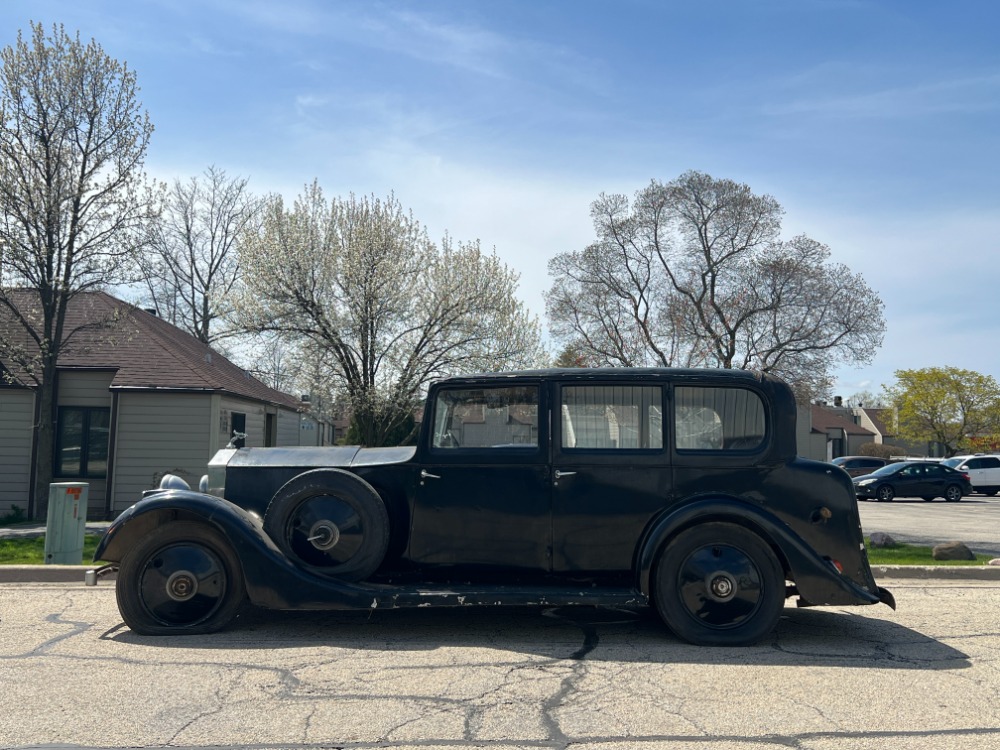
[66, 523]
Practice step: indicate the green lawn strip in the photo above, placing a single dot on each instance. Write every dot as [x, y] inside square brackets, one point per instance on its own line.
[912, 554]
[31, 550]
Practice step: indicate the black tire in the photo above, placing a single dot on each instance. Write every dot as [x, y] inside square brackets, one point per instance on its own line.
[718, 584]
[989, 492]
[885, 493]
[330, 522]
[182, 578]
[952, 493]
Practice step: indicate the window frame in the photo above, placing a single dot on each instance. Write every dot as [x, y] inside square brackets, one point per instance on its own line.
[85, 442]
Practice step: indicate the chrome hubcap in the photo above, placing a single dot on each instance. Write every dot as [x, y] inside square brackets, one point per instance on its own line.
[324, 535]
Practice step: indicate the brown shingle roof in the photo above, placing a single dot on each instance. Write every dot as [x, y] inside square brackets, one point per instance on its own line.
[824, 419]
[882, 419]
[149, 353]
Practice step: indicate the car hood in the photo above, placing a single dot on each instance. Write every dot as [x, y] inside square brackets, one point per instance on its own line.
[863, 477]
[310, 457]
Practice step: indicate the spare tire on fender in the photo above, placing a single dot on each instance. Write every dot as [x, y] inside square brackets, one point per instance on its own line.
[330, 522]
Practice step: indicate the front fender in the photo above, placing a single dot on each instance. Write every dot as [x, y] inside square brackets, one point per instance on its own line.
[272, 580]
[816, 579]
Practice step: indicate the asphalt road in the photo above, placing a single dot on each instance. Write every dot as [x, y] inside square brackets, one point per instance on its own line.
[829, 679]
[975, 521]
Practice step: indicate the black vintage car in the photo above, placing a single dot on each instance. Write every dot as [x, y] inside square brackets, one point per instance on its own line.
[679, 489]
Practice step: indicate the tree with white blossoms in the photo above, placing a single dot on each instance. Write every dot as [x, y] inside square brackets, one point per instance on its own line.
[192, 265]
[359, 286]
[694, 273]
[73, 203]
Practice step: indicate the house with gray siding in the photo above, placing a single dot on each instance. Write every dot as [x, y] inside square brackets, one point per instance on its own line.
[137, 397]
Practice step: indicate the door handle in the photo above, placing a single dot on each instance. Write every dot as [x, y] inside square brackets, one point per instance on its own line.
[424, 474]
[560, 474]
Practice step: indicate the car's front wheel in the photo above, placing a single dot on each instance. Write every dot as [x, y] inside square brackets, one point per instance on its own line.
[181, 578]
[952, 493]
[719, 584]
[885, 493]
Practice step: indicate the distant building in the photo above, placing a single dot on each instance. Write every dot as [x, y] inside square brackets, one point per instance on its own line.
[136, 400]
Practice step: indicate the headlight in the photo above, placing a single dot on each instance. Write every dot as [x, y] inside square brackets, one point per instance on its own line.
[865, 482]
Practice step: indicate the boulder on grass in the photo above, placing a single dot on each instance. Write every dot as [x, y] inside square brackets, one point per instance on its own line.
[881, 539]
[952, 551]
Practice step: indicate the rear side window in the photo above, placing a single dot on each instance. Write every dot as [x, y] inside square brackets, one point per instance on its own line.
[718, 419]
[612, 417]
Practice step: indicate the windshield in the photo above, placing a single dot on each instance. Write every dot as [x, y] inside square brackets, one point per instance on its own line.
[952, 462]
[887, 469]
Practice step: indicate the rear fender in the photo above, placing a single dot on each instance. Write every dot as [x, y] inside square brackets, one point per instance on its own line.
[817, 581]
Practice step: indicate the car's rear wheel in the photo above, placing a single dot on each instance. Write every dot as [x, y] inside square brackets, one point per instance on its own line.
[719, 584]
[331, 522]
[181, 578]
[885, 493]
[952, 493]
[989, 492]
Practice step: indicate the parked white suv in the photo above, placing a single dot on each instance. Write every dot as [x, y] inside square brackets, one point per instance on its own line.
[983, 471]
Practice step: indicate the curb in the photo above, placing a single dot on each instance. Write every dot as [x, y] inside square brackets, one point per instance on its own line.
[47, 573]
[939, 572]
[76, 573]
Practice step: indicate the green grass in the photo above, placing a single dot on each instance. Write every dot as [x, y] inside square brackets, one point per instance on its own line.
[912, 554]
[31, 551]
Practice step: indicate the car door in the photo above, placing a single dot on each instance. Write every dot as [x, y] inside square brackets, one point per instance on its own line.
[483, 494]
[935, 479]
[911, 481]
[610, 472]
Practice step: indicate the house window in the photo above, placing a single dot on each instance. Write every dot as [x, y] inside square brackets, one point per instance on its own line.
[82, 442]
[238, 434]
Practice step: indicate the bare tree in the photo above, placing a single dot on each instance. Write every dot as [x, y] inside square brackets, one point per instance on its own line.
[361, 288]
[694, 273]
[193, 263]
[73, 137]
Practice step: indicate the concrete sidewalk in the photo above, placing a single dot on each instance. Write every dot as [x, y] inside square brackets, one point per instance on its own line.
[75, 573]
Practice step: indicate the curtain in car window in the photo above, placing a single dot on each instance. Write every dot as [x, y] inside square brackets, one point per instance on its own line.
[718, 418]
[612, 417]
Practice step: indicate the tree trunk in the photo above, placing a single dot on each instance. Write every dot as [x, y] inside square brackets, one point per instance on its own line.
[45, 434]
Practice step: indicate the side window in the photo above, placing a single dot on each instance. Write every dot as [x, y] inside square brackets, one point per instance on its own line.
[718, 419]
[486, 418]
[933, 471]
[613, 417]
[870, 464]
[974, 463]
[991, 462]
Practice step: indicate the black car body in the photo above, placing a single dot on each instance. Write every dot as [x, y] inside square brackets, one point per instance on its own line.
[675, 488]
[923, 479]
[855, 466]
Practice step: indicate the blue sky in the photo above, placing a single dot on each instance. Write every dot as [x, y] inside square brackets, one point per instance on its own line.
[873, 123]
